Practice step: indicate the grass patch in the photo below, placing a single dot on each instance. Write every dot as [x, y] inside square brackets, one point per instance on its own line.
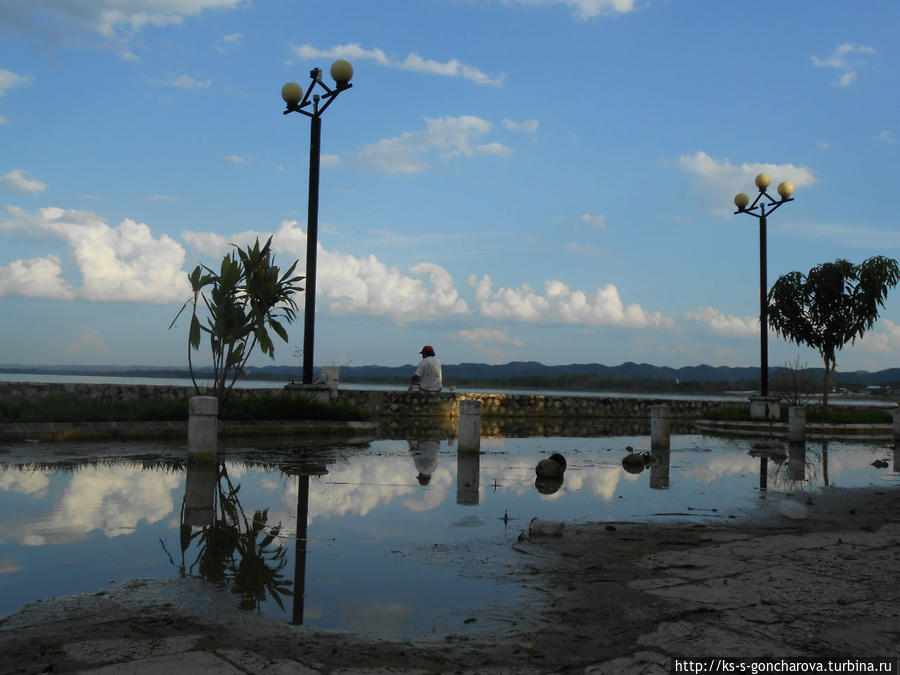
[814, 415]
[287, 407]
[71, 408]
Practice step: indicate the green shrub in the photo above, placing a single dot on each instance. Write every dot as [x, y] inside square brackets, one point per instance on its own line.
[71, 408]
[286, 407]
[814, 415]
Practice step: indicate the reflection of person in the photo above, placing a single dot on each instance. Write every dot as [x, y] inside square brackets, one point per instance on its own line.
[425, 457]
[428, 374]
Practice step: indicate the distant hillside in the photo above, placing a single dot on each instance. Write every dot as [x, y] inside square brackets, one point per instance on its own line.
[627, 376]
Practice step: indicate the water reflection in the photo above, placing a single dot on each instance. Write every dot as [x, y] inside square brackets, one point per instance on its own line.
[232, 550]
[425, 457]
[797, 462]
[659, 468]
[794, 470]
[365, 524]
[468, 478]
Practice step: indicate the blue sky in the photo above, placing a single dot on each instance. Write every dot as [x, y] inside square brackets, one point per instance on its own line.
[545, 180]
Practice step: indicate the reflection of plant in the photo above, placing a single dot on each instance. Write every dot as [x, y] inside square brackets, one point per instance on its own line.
[806, 462]
[231, 553]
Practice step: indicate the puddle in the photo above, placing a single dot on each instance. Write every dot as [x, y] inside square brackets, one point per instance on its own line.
[394, 530]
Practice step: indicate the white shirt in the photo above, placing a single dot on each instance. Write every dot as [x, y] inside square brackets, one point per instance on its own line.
[429, 372]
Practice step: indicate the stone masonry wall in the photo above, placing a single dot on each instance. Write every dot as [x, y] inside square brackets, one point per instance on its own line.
[383, 403]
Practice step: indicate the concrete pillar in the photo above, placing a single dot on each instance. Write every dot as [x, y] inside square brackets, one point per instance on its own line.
[660, 428]
[895, 414]
[765, 408]
[797, 424]
[203, 424]
[331, 376]
[469, 426]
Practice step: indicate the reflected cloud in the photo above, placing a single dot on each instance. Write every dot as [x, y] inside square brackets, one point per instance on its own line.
[113, 499]
[371, 482]
[33, 483]
[719, 466]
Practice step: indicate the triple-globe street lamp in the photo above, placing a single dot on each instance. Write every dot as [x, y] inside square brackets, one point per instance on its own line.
[298, 101]
[766, 205]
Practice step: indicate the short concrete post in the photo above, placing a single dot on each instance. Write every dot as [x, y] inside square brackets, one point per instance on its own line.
[895, 414]
[203, 423]
[797, 424]
[469, 426]
[660, 428]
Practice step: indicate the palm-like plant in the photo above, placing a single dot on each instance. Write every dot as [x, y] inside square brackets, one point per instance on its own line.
[246, 298]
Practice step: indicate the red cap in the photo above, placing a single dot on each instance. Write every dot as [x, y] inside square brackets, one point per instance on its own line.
[427, 350]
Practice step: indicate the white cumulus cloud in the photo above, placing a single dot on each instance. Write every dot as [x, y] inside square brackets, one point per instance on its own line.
[349, 284]
[884, 338]
[447, 137]
[109, 18]
[9, 79]
[847, 58]
[490, 335]
[719, 180]
[184, 82]
[17, 181]
[561, 304]
[413, 62]
[122, 263]
[35, 278]
[722, 324]
[598, 220]
[585, 9]
[527, 126]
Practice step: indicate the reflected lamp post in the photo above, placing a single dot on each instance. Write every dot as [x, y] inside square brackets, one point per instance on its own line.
[761, 207]
[313, 105]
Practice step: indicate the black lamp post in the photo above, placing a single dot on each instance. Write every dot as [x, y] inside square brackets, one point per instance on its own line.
[297, 101]
[766, 205]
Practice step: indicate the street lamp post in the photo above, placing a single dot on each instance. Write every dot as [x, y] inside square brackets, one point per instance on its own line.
[766, 205]
[297, 101]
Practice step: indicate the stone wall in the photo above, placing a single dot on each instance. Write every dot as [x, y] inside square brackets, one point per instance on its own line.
[517, 406]
[391, 403]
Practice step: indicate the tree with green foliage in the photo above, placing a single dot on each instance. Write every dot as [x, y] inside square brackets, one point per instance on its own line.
[833, 304]
[246, 298]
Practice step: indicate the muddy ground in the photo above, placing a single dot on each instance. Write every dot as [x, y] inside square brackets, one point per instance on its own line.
[604, 597]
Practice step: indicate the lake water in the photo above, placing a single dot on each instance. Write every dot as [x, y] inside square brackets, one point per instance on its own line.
[739, 397]
[378, 523]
